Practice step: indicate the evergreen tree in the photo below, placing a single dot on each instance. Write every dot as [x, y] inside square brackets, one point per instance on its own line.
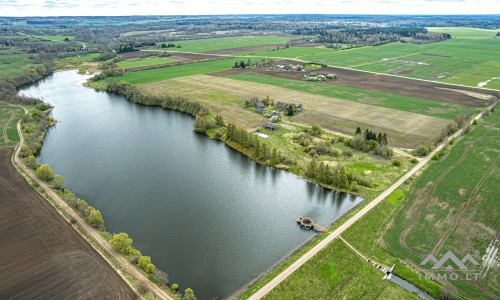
[358, 131]
[380, 138]
[384, 138]
[257, 148]
[274, 157]
[264, 152]
[311, 169]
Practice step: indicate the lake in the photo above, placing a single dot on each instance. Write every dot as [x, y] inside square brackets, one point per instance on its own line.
[209, 216]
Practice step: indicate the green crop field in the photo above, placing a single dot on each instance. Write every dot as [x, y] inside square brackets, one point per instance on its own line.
[470, 58]
[147, 76]
[211, 44]
[421, 106]
[13, 64]
[141, 62]
[9, 115]
[467, 193]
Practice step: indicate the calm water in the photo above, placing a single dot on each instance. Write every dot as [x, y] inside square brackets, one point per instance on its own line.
[207, 215]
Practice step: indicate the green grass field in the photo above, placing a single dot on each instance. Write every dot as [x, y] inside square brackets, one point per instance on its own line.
[87, 57]
[148, 61]
[211, 44]
[148, 76]
[58, 37]
[475, 180]
[470, 58]
[13, 64]
[9, 129]
[421, 106]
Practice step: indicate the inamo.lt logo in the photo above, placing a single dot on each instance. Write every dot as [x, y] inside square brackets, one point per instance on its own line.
[445, 264]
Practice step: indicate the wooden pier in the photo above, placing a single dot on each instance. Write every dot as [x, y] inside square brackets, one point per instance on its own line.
[308, 223]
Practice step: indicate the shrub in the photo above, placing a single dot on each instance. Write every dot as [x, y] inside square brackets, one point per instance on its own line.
[348, 153]
[474, 122]
[316, 129]
[59, 182]
[341, 139]
[189, 294]
[452, 141]
[44, 172]
[354, 186]
[142, 289]
[421, 151]
[175, 287]
[435, 156]
[143, 262]
[414, 160]
[160, 276]
[396, 163]
[120, 242]
[32, 162]
[306, 149]
[134, 259]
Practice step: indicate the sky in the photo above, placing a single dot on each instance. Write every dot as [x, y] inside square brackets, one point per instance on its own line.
[218, 7]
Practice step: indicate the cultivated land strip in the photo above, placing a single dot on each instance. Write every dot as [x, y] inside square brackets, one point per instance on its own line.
[6, 126]
[103, 243]
[308, 255]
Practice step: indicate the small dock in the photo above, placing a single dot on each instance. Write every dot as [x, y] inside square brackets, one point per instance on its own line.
[308, 223]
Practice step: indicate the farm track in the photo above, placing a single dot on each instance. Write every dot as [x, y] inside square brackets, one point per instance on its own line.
[6, 126]
[427, 198]
[459, 216]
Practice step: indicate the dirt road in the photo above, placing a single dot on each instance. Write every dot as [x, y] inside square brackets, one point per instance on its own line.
[122, 261]
[336, 233]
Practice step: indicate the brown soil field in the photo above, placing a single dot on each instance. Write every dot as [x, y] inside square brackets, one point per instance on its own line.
[226, 96]
[136, 54]
[43, 257]
[182, 59]
[244, 49]
[395, 85]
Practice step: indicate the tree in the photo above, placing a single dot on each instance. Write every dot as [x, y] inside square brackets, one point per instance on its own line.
[145, 264]
[44, 172]
[289, 111]
[120, 242]
[175, 287]
[316, 129]
[95, 219]
[311, 169]
[81, 205]
[59, 182]
[358, 131]
[32, 162]
[189, 294]
[354, 186]
[274, 157]
[160, 276]
[342, 180]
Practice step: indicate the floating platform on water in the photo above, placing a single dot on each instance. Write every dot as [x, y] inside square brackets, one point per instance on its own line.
[308, 223]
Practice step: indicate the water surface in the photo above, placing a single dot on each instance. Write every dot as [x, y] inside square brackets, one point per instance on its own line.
[207, 215]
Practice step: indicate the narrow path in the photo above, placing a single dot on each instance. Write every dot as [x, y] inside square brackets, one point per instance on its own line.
[94, 234]
[6, 126]
[353, 249]
[336, 233]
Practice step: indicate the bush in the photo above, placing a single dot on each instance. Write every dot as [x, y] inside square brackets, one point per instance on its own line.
[474, 122]
[341, 139]
[142, 289]
[348, 153]
[421, 151]
[145, 264]
[189, 294]
[354, 186]
[396, 163]
[44, 172]
[414, 160]
[435, 156]
[452, 140]
[160, 276]
[134, 259]
[32, 162]
[175, 287]
[306, 149]
[120, 242]
[59, 182]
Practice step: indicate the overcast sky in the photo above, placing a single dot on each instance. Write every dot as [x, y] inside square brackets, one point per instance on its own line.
[204, 7]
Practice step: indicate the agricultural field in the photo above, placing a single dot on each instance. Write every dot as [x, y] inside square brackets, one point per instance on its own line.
[153, 75]
[9, 115]
[227, 96]
[59, 38]
[470, 58]
[147, 61]
[13, 63]
[453, 206]
[212, 44]
[403, 103]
